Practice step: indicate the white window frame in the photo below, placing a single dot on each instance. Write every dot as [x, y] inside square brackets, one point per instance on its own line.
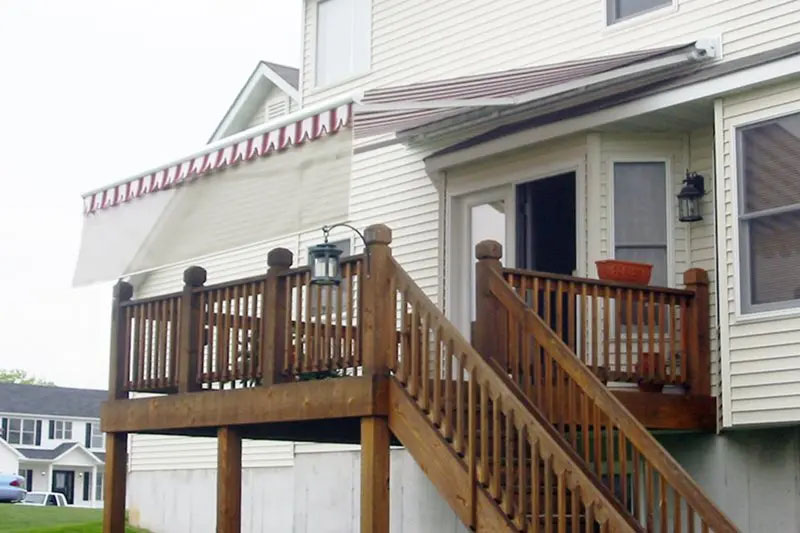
[637, 18]
[462, 196]
[21, 431]
[60, 429]
[322, 86]
[99, 481]
[670, 212]
[743, 312]
[96, 433]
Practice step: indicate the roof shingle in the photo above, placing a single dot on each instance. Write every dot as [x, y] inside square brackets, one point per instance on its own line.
[44, 400]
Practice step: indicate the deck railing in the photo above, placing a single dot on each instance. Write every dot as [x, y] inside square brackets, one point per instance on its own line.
[625, 332]
[259, 330]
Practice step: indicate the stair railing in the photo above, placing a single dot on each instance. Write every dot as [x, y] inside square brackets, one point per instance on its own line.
[643, 477]
[510, 450]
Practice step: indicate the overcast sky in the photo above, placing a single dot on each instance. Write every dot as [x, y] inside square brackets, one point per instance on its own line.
[92, 92]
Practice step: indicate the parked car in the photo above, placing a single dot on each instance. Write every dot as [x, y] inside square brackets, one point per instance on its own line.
[45, 498]
[12, 488]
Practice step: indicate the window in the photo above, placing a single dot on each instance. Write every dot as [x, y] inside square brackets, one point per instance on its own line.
[343, 39]
[27, 473]
[98, 487]
[621, 9]
[769, 213]
[640, 216]
[21, 431]
[63, 430]
[97, 437]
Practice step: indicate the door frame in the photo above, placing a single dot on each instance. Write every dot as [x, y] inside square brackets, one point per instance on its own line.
[460, 195]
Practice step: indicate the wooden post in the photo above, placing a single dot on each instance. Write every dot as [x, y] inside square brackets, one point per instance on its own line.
[188, 329]
[118, 353]
[229, 480]
[115, 482]
[378, 314]
[490, 334]
[274, 317]
[698, 333]
[374, 475]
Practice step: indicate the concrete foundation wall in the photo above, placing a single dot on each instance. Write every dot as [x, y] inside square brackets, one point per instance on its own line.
[753, 475]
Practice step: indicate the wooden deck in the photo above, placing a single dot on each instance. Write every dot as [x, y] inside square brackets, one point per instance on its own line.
[275, 357]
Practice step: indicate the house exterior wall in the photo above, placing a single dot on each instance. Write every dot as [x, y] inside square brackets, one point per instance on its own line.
[268, 109]
[78, 430]
[9, 463]
[761, 351]
[418, 40]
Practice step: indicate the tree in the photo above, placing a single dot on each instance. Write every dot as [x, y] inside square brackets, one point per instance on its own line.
[16, 375]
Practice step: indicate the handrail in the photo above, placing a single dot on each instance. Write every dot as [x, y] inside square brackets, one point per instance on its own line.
[592, 389]
[493, 406]
[597, 282]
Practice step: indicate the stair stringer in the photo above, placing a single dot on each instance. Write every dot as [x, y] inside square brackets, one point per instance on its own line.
[448, 472]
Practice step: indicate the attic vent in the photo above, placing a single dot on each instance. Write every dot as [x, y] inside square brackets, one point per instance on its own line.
[276, 110]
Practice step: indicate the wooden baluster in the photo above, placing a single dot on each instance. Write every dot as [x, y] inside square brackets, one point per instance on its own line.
[689, 518]
[590, 522]
[597, 439]
[662, 503]
[508, 493]
[676, 512]
[548, 319]
[637, 489]
[585, 428]
[348, 333]
[174, 312]
[618, 333]
[662, 352]
[575, 509]
[549, 407]
[138, 345]
[561, 487]
[225, 341]
[235, 334]
[572, 417]
[327, 352]
[673, 337]
[595, 325]
[484, 469]
[289, 341]
[548, 493]
[513, 351]
[649, 500]
[148, 345]
[204, 336]
[425, 373]
[308, 328]
[316, 339]
[299, 361]
[357, 341]
[163, 330]
[458, 441]
[571, 340]
[119, 364]
[251, 331]
[494, 488]
[437, 376]
[536, 482]
[560, 309]
[447, 426]
[337, 336]
[527, 377]
[193, 278]
[405, 343]
[472, 441]
[622, 446]
[640, 335]
[651, 337]
[610, 459]
[413, 380]
[630, 371]
[607, 333]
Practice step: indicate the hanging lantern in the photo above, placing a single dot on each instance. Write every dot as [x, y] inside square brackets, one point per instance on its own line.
[324, 259]
[689, 198]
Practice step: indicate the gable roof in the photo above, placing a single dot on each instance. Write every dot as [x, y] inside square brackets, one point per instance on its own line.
[264, 78]
[39, 454]
[44, 400]
[6, 445]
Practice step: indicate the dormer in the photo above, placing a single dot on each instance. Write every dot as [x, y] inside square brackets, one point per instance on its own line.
[271, 91]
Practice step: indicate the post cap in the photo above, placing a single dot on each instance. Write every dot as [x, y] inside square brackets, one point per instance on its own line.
[695, 276]
[279, 257]
[378, 234]
[194, 276]
[488, 250]
[123, 291]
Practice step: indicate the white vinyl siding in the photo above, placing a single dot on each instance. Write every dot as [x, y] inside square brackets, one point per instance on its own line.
[761, 367]
[275, 104]
[624, 9]
[420, 40]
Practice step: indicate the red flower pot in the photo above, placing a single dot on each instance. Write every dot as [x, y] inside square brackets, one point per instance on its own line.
[625, 271]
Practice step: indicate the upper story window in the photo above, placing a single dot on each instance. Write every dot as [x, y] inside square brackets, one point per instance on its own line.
[640, 216]
[62, 430]
[96, 439]
[768, 169]
[21, 431]
[622, 9]
[343, 40]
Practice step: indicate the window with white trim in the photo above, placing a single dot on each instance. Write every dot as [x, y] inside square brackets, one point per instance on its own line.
[62, 430]
[98, 440]
[98, 486]
[640, 216]
[768, 172]
[622, 9]
[21, 431]
[344, 29]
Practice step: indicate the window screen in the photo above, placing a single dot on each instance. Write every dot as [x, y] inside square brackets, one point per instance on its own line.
[620, 9]
[343, 39]
[769, 213]
[640, 216]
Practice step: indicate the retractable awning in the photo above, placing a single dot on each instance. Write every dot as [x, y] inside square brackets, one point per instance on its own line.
[244, 189]
[411, 107]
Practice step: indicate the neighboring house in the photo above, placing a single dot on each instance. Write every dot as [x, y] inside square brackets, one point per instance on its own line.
[51, 436]
[563, 130]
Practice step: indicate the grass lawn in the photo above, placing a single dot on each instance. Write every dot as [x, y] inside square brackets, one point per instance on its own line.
[30, 519]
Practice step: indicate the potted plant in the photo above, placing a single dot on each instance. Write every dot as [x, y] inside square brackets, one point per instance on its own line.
[625, 271]
[646, 362]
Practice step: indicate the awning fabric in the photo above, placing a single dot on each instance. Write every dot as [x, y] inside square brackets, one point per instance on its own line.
[402, 108]
[237, 204]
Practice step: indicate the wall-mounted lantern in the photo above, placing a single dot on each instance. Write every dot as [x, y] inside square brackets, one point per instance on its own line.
[324, 258]
[689, 198]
